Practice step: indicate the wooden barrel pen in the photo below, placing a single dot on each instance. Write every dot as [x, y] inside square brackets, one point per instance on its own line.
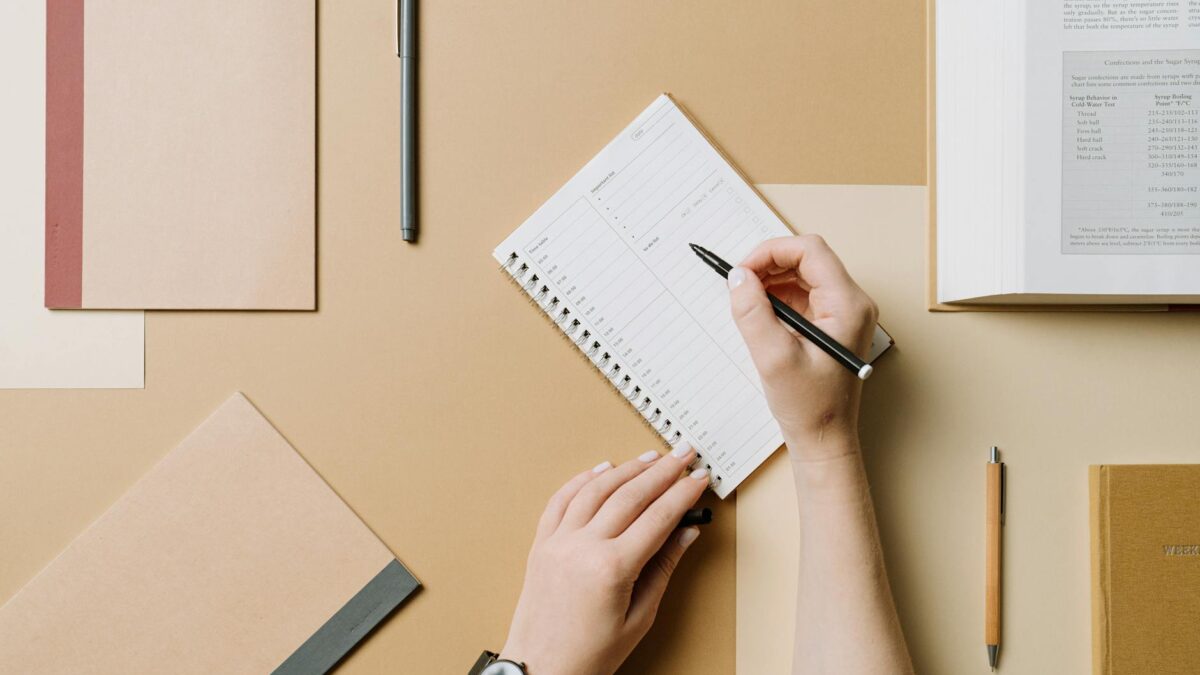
[995, 522]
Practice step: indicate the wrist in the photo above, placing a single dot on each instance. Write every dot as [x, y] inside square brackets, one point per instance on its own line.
[516, 654]
[550, 661]
[536, 659]
[491, 663]
[833, 473]
[821, 442]
[819, 430]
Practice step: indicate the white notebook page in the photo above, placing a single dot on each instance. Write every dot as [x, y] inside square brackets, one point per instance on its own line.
[607, 257]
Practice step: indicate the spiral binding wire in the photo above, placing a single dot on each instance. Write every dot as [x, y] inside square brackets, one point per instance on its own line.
[541, 295]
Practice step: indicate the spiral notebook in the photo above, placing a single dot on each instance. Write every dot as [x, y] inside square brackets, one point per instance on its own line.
[607, 259]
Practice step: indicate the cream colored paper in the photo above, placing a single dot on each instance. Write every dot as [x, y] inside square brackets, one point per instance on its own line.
[1056, 392]
[768, 535]
[39, 347]
[224, 558]
[199, 155]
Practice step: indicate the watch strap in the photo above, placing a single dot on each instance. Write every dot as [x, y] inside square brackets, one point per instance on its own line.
[488, 658]
[485, 659]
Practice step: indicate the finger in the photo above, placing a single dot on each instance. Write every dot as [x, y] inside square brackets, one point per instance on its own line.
[771, 345]
[815, 263]
[795, 297]
[647, 534]
[592, 495]
[628, 501]
[557, 506]
[780, 278]
[652, 584]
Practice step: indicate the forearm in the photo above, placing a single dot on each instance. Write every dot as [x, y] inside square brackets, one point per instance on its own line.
[846, 620]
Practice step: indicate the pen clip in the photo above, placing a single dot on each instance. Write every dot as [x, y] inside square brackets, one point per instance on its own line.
[1003, 490]
[406, 28]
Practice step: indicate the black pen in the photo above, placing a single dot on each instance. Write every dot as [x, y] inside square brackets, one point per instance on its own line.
[406, 49]
[696, 517]
[795, 321]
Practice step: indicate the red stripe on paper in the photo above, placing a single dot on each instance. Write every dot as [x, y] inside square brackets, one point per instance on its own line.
[64, 153]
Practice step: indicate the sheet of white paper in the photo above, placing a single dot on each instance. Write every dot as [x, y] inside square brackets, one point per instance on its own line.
[40, 348]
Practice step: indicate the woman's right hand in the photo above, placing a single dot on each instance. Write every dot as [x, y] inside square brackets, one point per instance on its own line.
[814, 398]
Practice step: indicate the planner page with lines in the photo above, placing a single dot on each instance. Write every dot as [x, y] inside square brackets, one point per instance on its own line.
[607, 258]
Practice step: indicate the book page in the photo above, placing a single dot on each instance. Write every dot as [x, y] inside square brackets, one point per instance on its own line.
[607, 258]
[978, 80]
[1113, 147]
[1131, 125]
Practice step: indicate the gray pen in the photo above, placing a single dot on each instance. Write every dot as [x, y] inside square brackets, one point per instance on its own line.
[406, 49]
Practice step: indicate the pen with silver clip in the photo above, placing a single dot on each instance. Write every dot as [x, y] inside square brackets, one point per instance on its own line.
[406, 49]
[995, 522]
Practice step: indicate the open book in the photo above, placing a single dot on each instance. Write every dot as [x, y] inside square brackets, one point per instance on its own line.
[1067, 152]
[607, 259]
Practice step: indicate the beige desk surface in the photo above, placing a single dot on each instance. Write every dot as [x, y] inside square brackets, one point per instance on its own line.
[424, 390]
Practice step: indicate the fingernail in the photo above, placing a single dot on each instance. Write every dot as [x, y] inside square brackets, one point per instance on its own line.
[602, 467]
[648, 456]
[682, 450]
[699, 474]
[736, 276]
[688, 536]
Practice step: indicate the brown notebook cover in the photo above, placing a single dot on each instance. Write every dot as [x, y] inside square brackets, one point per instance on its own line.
[181, 154]
[230, 556]
[1145, 527]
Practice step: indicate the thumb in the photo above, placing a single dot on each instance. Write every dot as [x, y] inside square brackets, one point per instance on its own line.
[769, 341]
[651, 585]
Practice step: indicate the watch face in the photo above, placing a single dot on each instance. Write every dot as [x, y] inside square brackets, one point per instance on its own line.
[503, 668]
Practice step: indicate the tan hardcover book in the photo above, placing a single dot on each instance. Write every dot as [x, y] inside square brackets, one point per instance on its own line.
[1145, 522]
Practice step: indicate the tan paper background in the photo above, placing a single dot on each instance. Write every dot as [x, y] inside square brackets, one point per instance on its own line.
[425, 390]
[1056, 391]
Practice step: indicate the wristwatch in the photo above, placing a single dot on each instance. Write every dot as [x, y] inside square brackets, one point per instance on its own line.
[490, 663]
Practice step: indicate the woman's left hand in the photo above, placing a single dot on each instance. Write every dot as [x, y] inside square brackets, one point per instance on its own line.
[604, 550]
